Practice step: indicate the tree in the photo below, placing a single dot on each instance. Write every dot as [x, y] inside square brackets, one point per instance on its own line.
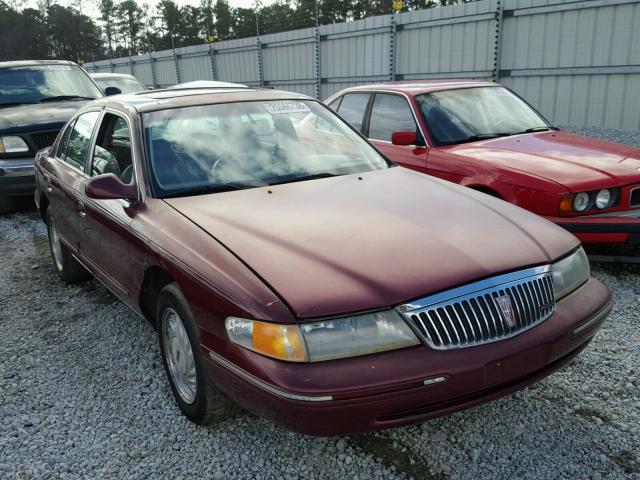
[129, 23]
[207, 8]
[224, 19]
[106, 8]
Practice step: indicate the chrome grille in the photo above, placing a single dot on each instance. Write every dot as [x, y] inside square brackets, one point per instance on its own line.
[485, 311]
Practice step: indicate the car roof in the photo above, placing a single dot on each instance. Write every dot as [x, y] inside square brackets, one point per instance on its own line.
[111, 75]
[415, 87]
[207, 84]
[153, 100]
[31, 63]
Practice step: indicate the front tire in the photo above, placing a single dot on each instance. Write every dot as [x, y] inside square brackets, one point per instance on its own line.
[200, 401]
[68, 268]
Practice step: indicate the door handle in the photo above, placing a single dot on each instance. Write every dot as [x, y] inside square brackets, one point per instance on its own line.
[80, 207]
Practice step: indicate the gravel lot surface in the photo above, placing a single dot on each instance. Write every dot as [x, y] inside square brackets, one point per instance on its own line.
[83, 395]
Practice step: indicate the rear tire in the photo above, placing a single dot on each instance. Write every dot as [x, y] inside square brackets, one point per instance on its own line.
[68, 268]
[7, 204]
[200, 401]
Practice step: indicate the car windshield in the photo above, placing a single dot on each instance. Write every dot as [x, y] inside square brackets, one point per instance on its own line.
[470, 114]
[42, 83]
[125, 84]
[221, 147]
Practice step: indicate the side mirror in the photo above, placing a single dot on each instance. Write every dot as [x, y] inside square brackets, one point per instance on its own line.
[109, 187]
[404, 138]
[112, 91]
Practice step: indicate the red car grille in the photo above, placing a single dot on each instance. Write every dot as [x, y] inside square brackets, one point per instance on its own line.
[486, 314]
[635, 197]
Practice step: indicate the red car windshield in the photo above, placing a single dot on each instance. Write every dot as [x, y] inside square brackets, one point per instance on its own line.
[221, 147]
[470, 114]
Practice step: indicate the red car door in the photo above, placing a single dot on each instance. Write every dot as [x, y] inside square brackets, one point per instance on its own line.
[107, 245]
[64, 170]
[391, 113]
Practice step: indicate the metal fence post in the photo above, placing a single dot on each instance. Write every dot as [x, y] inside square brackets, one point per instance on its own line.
[177, 65]
[392, 48]
[152, 63]
[259, 54]
[212, 58]
[131, 65]
[497, 42]
[316, 59]
[111, 65]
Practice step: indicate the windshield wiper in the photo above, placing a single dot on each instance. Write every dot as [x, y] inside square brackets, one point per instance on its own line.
[189, 192]
[484, 136]
[537, 129]
[13, 104]
[64, 97]
[302, 178]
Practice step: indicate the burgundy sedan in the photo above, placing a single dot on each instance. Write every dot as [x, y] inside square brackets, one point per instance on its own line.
[290, 269]
[483, 136]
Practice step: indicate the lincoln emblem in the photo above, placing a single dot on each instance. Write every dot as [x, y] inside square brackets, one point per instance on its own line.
[506, 307]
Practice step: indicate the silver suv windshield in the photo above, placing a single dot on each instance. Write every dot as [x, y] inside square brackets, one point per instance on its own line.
[42, 83]
[479, 113]
[221, 147]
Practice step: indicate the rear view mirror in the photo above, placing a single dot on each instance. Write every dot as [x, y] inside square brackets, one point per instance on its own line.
[110, 187]
[404, 138]
[112, 91]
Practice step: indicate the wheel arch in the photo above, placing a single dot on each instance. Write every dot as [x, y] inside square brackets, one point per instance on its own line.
[154, 280]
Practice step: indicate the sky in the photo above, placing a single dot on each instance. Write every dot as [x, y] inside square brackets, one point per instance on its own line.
[89, 7]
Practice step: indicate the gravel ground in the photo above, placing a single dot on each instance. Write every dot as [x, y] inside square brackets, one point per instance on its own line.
[83, 395]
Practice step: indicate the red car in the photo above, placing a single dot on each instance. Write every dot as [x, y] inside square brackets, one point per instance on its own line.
[482, 135]
[291, 269]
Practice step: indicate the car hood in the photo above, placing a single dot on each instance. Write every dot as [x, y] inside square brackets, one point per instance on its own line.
[574, 161]
[353, 243]
[20, 118]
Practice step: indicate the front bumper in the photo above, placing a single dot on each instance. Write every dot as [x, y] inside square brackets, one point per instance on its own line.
[17, 176]
[405, 386]
[620, 227]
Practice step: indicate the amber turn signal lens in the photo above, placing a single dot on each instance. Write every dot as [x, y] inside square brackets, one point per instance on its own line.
[271, 339]
[566, 205]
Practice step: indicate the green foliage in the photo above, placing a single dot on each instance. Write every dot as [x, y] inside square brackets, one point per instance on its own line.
[125, 28]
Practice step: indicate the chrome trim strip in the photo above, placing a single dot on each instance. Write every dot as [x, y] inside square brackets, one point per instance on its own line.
[263, 385]
[623, 213]
[594, 319]
[19, 167]
[473, 288]
[433, 381]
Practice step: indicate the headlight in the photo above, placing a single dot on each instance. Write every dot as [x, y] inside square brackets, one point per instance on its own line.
[569, 273]
[324, 340]
[271, 339]
[581, 202]
[603, 199]
[13, 144]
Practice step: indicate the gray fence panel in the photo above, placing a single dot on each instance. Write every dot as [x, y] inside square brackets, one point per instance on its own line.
[165, 66]
[577, 61]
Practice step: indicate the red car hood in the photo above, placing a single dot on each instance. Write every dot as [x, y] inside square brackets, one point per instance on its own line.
[342, 244]
[579, 163]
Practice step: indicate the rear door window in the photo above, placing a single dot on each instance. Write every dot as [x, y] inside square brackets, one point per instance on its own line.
[352, 108]
[390, 113]
[77, 150]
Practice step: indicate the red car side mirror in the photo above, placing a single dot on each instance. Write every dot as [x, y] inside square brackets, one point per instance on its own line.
[110, 187]
[404, 138]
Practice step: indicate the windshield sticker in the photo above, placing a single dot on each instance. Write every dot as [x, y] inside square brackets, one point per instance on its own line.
[286, 108]
[58, 67]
